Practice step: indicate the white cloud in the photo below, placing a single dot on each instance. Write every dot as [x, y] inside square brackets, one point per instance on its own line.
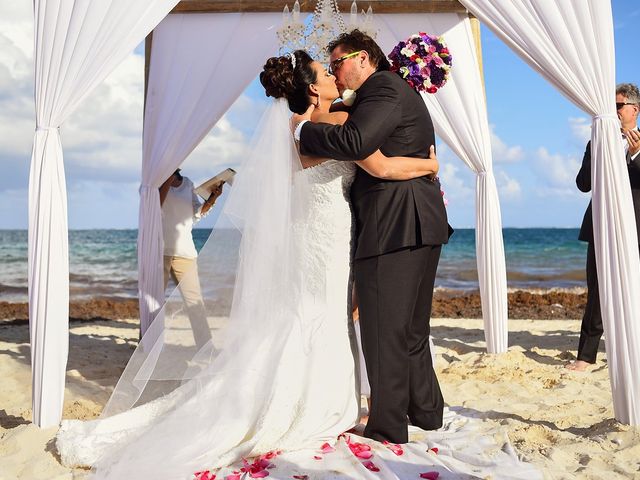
[580, 128]
[508, 187]
[102, 139]
[224, 146]
[557, 172]
[503, 153]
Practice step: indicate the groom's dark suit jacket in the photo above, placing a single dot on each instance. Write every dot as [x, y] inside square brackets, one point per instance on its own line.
[583, 181]
[390, 215]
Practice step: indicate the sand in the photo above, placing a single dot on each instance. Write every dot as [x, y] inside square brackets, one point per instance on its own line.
[561, 421]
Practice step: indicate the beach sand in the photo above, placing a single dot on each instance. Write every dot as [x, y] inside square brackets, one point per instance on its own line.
[560, 421]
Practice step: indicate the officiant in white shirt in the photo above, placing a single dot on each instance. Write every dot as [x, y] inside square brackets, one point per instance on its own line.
[181, 209]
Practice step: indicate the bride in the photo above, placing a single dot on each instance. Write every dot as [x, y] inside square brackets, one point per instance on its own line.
[280, 373]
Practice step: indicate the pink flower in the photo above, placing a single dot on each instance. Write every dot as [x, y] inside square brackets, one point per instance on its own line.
[369, 465]
[326, 448]
[430, 475]
[234, 476]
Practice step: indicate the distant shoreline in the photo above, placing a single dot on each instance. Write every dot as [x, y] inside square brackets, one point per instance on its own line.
[548, 304]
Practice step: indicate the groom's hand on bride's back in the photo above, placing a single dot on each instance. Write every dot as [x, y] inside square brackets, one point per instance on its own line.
[297, 119]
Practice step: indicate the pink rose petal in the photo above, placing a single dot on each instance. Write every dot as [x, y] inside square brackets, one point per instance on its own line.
[259, 474]
[270, 455]
[430, 475]
[301, 477]
[326, 448]
[364, 454]
[204, 475]
[370, 466]
[233, 476]
[394, 447]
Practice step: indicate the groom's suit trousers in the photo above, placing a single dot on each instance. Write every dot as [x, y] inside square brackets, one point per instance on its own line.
[395, 292]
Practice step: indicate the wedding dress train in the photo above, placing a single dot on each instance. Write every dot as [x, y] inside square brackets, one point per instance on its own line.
[311, 393]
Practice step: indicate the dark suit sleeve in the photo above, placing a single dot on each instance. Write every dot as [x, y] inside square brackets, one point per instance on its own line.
[583, 180]
[376, 116]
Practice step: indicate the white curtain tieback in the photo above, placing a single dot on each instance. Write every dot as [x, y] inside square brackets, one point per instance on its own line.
[605, 116]
[481, 174]
[46, 129]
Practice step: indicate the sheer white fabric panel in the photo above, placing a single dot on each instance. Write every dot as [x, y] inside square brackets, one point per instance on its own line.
[459, 115]
[200, 64]
[558, 39]
[77, 44]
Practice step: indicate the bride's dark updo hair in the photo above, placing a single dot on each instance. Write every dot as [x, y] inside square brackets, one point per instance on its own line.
[280, 79]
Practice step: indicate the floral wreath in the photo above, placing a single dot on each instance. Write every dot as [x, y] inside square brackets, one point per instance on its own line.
[423, 61]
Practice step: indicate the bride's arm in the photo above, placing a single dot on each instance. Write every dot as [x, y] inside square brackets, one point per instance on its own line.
[400, 168]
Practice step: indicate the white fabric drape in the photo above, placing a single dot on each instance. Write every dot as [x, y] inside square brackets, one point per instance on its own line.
[77, 44]
[571, 44]
[459, 115]
[200, 64]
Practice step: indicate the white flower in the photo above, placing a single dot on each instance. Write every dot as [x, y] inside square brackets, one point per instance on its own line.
[348, 97]
[407, 52]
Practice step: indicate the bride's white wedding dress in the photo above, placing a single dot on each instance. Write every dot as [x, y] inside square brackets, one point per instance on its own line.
[312, 395]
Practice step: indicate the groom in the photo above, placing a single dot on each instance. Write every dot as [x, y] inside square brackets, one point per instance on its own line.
[400, 229]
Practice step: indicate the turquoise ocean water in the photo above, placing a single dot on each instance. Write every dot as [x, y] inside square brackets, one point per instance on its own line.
[103, 263]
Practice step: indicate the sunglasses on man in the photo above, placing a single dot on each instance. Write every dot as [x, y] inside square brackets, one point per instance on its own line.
[618, 105]
[335, 65]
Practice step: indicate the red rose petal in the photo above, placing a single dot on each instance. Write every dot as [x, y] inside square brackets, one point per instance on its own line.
[301, 477]
[430, 475]
[370, 466]
[435, 450]
[316, 457]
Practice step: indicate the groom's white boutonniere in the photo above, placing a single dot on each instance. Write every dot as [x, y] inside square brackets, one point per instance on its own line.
[348, 97]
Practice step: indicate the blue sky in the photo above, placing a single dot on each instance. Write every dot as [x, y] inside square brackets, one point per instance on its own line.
[538, 136]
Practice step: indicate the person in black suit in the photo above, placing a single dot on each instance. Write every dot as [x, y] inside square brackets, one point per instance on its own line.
[628, 107]
[400, 229]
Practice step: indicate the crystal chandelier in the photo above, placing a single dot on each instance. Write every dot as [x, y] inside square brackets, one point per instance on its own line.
[325, 24]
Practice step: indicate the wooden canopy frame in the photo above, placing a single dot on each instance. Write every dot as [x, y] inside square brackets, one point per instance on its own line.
[261, 6]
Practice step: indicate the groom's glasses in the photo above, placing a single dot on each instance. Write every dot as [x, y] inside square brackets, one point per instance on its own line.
[618, 105]
[335, 65]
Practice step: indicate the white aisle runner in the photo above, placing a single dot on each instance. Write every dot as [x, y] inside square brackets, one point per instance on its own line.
[465, 448]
